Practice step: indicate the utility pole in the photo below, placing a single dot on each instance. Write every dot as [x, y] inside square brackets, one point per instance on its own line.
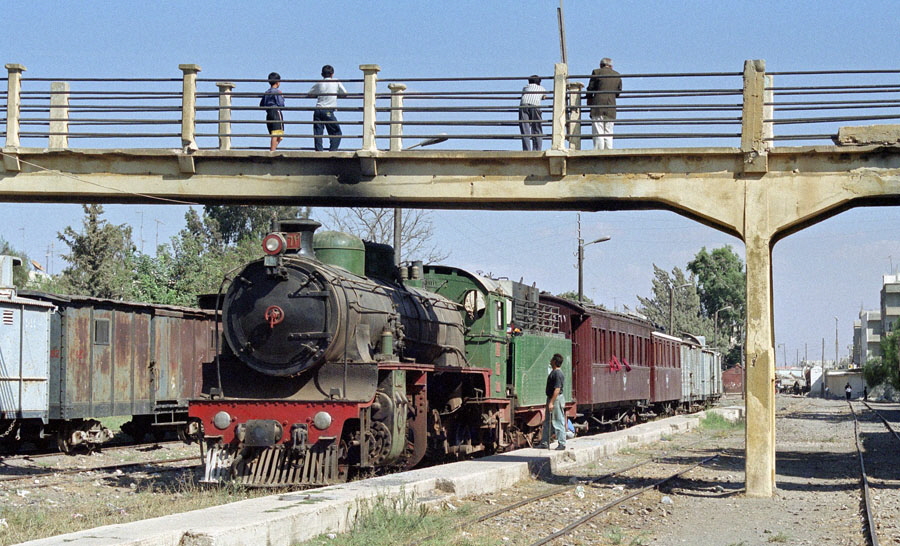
[672, 289]
[398, 224]
[158, 222]
[835, 341]
[563, 54]
[141, 232]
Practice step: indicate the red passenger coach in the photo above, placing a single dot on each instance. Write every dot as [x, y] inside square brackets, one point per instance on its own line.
[611, 360]
[665, 377]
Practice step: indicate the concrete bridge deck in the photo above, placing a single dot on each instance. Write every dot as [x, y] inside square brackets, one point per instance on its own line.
[753, 190]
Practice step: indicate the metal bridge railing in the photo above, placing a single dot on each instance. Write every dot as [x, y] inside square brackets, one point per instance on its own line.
[753, 110]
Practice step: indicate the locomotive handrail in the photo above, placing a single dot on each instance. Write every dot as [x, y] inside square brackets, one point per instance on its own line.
[470, 112]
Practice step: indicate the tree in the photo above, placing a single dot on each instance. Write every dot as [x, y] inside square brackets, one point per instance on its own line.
[20, 274]
[232, 223]
[100, 258]
[193, 263]
[886, 368]
[377, 225]
[684, 307]
[722, 282]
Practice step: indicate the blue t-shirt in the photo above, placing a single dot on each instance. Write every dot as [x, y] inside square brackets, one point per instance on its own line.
[272, 98]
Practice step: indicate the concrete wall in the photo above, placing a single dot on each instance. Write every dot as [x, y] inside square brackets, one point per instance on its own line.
[835, 380]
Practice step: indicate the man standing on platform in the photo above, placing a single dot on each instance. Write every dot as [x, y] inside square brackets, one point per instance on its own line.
[555, 417]
[602, 91]
[327, 92]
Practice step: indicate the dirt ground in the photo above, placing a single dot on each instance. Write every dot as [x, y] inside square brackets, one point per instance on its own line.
[817, 500]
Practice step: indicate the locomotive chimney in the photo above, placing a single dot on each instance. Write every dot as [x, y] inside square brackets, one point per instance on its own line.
[306, 228]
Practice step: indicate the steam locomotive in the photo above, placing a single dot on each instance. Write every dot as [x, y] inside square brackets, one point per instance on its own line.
[337, 363]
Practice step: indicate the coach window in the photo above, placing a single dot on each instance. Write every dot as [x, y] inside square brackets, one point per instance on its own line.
[101, 331]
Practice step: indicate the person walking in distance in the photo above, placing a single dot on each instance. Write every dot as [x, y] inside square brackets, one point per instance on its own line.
[555, 418]
[273, 101]
[530, 114]
[326, 93]
[848, 390]
[602, 92]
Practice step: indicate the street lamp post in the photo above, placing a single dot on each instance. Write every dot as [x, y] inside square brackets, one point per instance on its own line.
[835, 341]
[581, 245]
[672, 289]
[716, 325]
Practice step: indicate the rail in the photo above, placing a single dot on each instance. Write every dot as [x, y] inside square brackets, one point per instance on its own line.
[746, 109]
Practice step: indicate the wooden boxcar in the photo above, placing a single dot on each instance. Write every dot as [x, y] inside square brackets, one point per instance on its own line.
[611, 360]
[666, 379]
[112, 358]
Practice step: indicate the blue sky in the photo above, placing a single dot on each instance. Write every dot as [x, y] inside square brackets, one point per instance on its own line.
[831, 269]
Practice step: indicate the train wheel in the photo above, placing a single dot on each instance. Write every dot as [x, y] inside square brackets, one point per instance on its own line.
[191, 432]
[64, 441]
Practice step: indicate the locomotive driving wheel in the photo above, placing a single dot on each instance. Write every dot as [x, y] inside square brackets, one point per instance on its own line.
[379, 440]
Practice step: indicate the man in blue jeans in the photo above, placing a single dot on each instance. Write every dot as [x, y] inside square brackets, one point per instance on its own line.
[326, 93]
[555, 417]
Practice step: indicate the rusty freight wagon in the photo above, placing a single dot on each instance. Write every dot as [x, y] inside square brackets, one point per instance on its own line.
[111, 358]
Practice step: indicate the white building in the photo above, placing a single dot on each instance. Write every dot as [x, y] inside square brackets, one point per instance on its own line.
[890, 303]
[867, 337]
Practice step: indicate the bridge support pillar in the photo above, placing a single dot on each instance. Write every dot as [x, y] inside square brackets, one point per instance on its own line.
[560, 77]
[574, 114]
[188, 106]
[370, 78]
[59, 115]
[396, 132]
[760, 352]
[225, 114]
[13, 102]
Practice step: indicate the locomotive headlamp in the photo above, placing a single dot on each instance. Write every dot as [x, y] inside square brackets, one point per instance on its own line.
[274, 244]
[322, 420]
[221, 420]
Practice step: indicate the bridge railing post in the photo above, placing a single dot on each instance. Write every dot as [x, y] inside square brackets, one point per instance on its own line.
[189, 106]
[13, 104]
[397, 90]
[560, 76]
[574, 114]
[224, 114]
[370, 79]
[769, 112]
[753, 143]
[59, 115]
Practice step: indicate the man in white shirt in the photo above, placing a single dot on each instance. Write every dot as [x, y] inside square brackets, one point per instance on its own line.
[326, 92]
[530, 114]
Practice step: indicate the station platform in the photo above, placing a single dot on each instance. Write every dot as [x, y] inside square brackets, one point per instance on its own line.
[288, 518]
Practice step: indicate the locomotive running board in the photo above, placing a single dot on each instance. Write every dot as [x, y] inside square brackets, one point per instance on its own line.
[275, 466]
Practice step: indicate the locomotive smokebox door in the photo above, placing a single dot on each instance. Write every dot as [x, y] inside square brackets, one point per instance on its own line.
[280, 326]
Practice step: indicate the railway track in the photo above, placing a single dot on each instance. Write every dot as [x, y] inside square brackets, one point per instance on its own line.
[876, 443]
[579, 484]
[7, 458]
[27, 475]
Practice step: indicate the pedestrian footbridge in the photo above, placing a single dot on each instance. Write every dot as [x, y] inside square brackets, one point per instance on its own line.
[756, 154]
